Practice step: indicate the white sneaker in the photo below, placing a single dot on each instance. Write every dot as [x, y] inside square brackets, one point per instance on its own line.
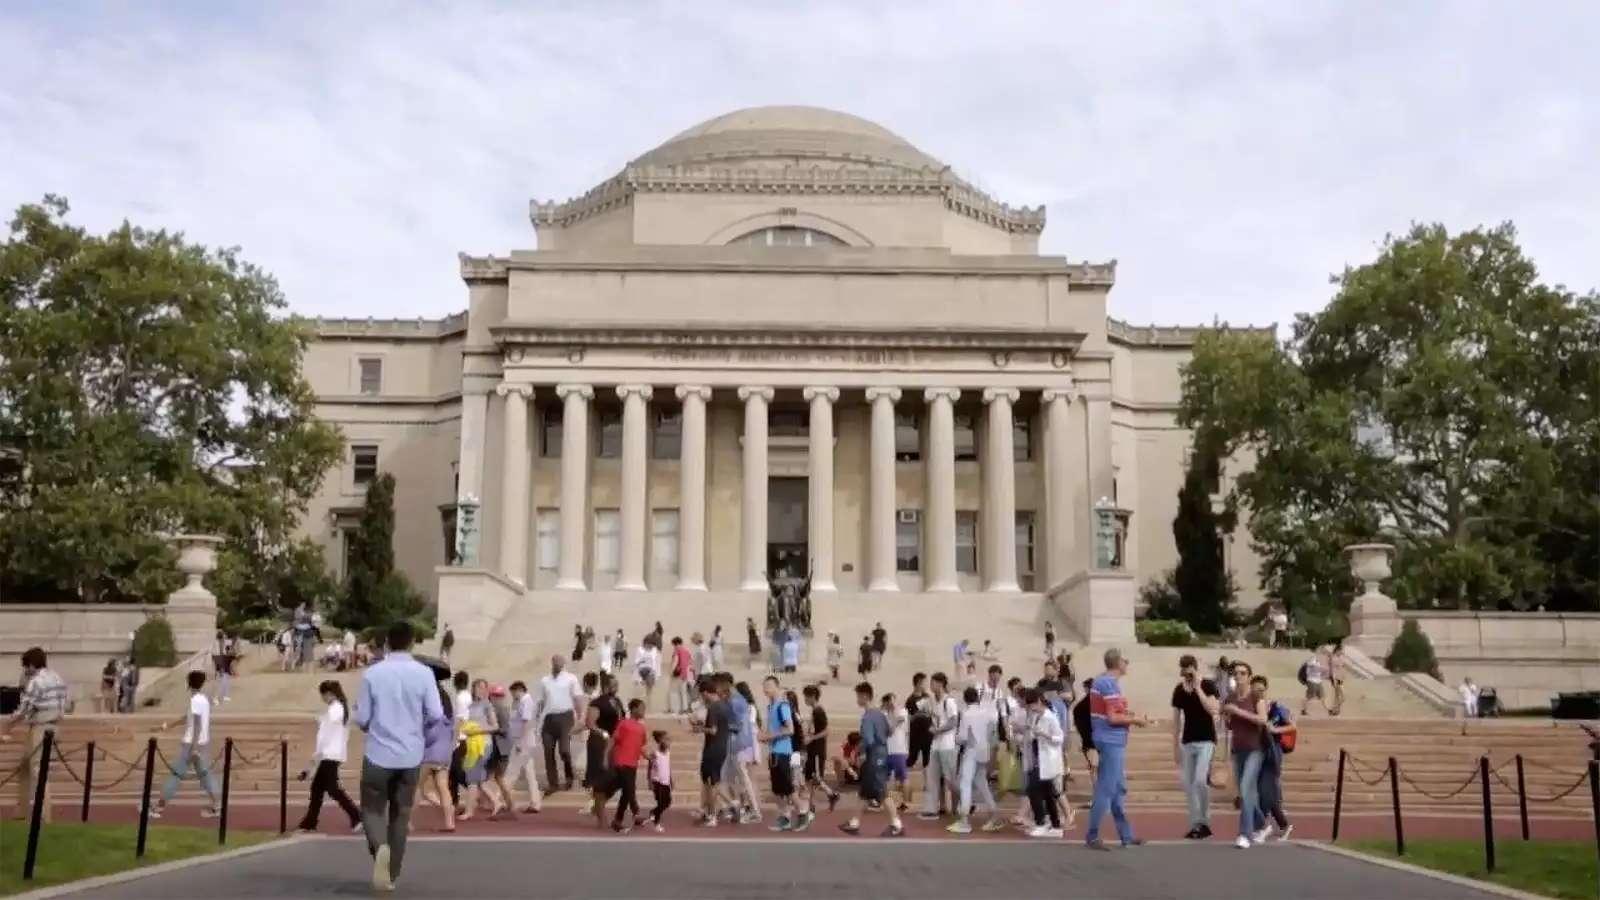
[959, 828]
[1054, 833]
[1039, 831]
[1288, 830]
[1261, 836]
[1242, 842]
[380, 870]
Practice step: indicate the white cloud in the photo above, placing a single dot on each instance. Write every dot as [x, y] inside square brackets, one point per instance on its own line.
[1230, 158]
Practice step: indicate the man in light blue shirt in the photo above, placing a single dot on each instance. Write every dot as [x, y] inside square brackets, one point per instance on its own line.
[399, 699]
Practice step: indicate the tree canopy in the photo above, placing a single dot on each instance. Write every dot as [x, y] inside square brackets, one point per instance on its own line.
[1446, 400]
[148, 385]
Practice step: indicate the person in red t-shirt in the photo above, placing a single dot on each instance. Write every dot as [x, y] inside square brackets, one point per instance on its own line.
[627, 746]
[681, 686]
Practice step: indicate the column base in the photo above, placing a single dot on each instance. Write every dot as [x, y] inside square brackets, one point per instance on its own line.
[751, 584]
[629, 586]
[824, 586]
[883, 587]
[571, 584]
[942, 588]
[698, 585]
[1007, 587]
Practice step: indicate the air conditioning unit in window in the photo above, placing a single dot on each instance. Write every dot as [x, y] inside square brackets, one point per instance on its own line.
[910, 516]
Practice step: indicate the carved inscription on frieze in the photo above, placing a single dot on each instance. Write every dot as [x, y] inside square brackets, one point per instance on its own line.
[789, 356]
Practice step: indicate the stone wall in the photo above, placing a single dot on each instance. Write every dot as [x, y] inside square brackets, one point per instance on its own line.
[80, 637]
[1527, 657]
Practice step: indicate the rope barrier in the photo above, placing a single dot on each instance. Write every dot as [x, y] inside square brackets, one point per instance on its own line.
[130, 768]
[1354, 766]
[1355, 770]
[1419, 789]
[1582, 779]
[22, 765]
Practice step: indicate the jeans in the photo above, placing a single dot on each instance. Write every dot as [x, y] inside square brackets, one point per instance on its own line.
[938, 776]
[522, 756]
[1110, 785]
[1270, 787]
[1194, 767]
[1246, 776]
[386, 797]
[191, 755]
[974, 779]
[556, 732]
[326, 782]
[1042, 798]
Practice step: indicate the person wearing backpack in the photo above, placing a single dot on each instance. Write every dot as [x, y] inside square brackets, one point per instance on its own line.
[1282, 735]
[1313, 674]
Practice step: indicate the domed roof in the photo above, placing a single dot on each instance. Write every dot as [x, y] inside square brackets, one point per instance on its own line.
[800, 132]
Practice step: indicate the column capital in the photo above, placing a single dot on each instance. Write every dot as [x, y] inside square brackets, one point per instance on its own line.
[831, 394]
[945, 393]
[991, 394]
[751, 390]
[684, 391]
[875, 393]
[1067, 392]
[507, 388]
[586, 391]
[643, 390]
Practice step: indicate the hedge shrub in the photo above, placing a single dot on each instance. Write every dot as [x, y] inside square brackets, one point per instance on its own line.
[1163, 632]
[154, 645]
[1412, 652]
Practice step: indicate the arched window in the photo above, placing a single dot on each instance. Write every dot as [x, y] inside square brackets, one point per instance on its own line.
[788, 236]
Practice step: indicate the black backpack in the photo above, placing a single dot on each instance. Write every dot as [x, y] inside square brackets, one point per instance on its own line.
[1302, 673]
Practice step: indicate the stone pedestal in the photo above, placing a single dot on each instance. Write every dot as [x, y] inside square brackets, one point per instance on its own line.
[1374, 618]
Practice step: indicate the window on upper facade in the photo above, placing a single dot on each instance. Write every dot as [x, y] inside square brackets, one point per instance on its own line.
[908, 541]
[363, 463]
[666, 433]
[1025, 542]
[788, 236]
[548, 541]
[664, 541]
[550, 432]
[609, 422]
[966, 436]
[907, 436]
[788, 422]
[607, 540]
[1022, 439]
[967, 541]
[371, 376]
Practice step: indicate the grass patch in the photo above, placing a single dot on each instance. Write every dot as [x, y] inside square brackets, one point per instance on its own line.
[1563, 869]
[69, 851]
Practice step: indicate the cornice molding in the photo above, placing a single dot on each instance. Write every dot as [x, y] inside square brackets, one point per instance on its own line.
[1175, 335]
[845, 261]
[328, 329]
[486, 269]
[778, 335]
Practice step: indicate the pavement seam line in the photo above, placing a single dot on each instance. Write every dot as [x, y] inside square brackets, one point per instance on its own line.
[135, 874]
[1487, 887]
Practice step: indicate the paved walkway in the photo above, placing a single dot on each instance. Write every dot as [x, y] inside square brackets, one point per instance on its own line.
[713, 869]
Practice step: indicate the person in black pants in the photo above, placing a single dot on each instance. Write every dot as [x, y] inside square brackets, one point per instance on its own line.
[558, 697]
[333, 734]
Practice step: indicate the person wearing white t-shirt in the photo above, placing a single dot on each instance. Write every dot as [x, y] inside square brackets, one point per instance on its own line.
[899, 746]
[976, 735]
[559, 695]
[647, 667]
[939, 775]
[192, 749]
[333, 739]
[1469, 698]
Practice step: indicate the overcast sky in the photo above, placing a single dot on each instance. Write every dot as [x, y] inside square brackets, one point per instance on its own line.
[1229, 156]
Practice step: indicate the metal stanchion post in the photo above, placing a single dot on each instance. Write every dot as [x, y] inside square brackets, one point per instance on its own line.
[144, 800]
[1338, 796]
[1394, 793]
[1594, 801]
[227, 785]
[1522, 797]
[1488, 814]
[283, 787]
[40, 791]
[88, 779]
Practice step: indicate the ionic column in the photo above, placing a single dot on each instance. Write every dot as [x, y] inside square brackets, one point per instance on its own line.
[574, 482]
[692, 489]
[1058, 513]
[940, 530]
[1000, 502]
[881, 491]
[819, 538]
[1097, 466]
[474, 422]
[753, 520]
[630, 571]
[514, 505]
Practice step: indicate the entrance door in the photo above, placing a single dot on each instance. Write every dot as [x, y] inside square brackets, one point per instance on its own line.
[787, 500]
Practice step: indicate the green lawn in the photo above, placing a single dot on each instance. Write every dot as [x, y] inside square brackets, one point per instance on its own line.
[1554, 868]
[70, 850]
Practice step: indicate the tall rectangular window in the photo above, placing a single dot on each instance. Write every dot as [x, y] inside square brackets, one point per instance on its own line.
[907, 436]
[966, 436]
[666, 433]
[1025, 521]
[550, 432]
[664, 541]
[967, 541]
[607, 541]
[547, 549]
[364, 463]
[1021, 439]
[908, 541]
[610, 424]
[371, 376]
[788, 422]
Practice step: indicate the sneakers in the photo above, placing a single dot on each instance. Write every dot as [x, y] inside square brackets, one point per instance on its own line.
[994, 825]
[781, 825]
[381, 881]
[1242, 842]
[833, 800]
[1192, 834]
[894, 831]
[928, 816]
[806, 818]
[1261, 836]
[1056, 833]
[850, 827]
[1205, 831]
[1040, 831]
[959, 827]
[707, 822]
[1287, 830]
[358, 827]
[750, 817]
[1097, 844]
[1136, 842]
[660, 828]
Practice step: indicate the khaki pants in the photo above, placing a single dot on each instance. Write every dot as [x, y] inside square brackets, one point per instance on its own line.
[29, 770]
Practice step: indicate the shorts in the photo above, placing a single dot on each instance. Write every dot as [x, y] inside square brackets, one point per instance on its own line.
[595, 768]
[874, 780]
[782, 772]
[1314, 691]
[898, 769]
[730, 767]
[748, 755]
[816, 758]
[921, 747]
[711, 768]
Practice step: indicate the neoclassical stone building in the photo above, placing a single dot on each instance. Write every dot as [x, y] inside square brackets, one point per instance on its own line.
[784, 340]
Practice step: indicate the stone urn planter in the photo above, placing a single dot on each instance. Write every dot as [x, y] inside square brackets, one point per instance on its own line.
[1369, 563]
[1374, 618]
[197, 558]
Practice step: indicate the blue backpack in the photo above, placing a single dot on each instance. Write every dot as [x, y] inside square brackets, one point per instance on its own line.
[1278, 715]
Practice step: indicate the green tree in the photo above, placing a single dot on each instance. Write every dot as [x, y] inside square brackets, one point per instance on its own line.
[147, 386]
[375, 593]
[1201, 578]
[1444, 400]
